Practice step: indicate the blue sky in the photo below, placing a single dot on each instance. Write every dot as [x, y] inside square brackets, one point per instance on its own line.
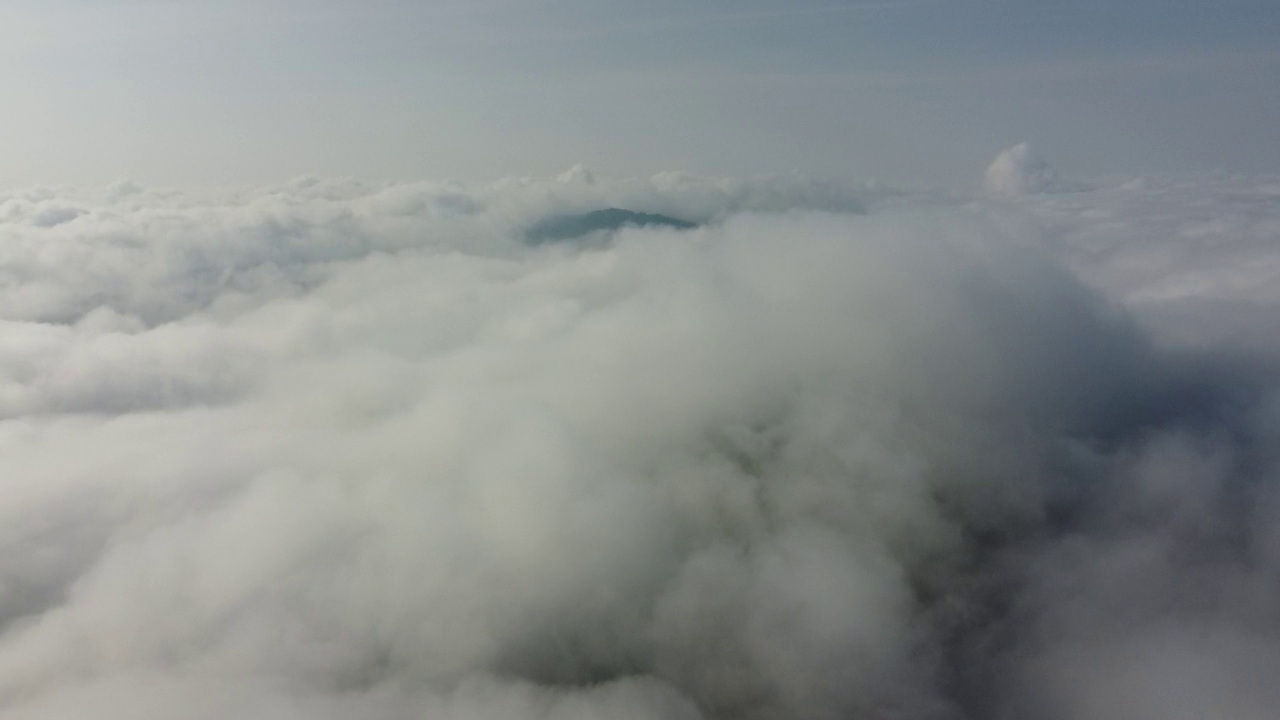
[913, 92]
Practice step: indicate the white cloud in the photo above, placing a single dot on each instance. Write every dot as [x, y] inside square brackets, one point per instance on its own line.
[1016, 172]
[1194, 258]
[340, 450]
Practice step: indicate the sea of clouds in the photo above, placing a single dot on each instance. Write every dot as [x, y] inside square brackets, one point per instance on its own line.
[341, 450]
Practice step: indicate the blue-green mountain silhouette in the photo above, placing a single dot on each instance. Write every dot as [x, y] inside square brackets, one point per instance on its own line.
[570, 227]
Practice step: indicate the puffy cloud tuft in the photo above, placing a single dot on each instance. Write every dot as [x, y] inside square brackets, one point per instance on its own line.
[1016, 172]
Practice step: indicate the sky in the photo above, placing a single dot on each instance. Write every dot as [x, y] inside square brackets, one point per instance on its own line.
[917, 92]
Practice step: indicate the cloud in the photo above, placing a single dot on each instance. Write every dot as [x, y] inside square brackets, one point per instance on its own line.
[1193, 258]
[333, 449]
[1016, 172]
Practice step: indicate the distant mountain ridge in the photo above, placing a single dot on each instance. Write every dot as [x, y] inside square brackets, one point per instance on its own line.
[570, 227]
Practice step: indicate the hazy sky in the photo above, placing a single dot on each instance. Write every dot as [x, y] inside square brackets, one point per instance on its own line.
[920, 92]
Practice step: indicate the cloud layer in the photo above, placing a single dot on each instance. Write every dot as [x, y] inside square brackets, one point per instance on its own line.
[331, 450]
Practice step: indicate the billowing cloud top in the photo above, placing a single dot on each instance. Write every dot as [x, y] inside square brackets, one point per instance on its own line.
[331, 450]
[1016, 171]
